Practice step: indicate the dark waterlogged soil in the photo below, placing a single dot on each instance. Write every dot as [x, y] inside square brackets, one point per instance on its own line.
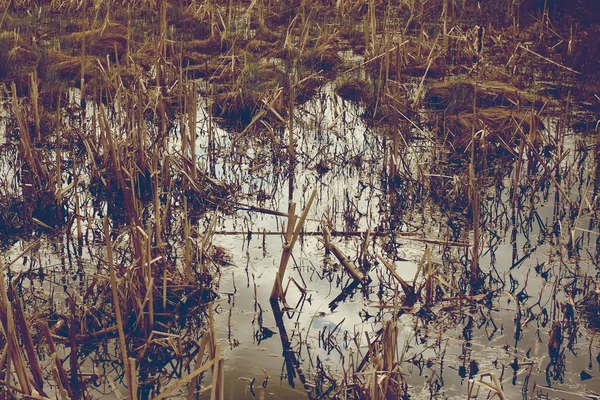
[454, 160]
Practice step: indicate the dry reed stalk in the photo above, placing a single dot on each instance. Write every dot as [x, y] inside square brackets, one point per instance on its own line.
[73, 356]
[148, 278]
[427, 267]
[60, 386]
[187, 241]
[186, 380]
[429, 61]
[163, 29]
[60, 376]
[192, 119]
[520, 46]
[351, 269]
[28, 153]
[364, 250]
[292, 97]
[584, 199]
[291, 239]
[373, 26]
[389, 341]
[217, 392]
[207, 239]
[472, 158]
[116, 304]
[445, 24]
[286, 254]
[495, 387]
[422, 28]
[35, 103]
[475, 248]
[112, 156]
[15, 354]
[211, 134]
[409, 290]
[517, 174]
[83, 51]
[23, 327]
[228, 30]
[76, 195]
[156, 199]
[134, 383]
[58, 160]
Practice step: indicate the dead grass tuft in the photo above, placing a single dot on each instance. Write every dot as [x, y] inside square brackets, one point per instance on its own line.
[459, 95]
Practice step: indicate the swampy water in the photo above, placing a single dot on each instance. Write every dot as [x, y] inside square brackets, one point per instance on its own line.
[535, 276]
[323, 200]
[540, 263]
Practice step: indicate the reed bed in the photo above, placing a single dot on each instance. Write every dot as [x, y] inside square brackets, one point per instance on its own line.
[134, 130]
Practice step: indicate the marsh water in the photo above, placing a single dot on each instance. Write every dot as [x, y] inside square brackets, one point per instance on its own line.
[539, 263]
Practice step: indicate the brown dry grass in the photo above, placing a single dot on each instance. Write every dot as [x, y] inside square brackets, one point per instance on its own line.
[461, 94]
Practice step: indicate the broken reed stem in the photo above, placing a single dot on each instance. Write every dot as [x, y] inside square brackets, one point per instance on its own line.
[353, 271]
[285, 255]
[28, 345]
[373, 26]
[73, 357]
[290, 242]
[217, 392]
[547, 59]
[409, 290]
[192, 120]
[475, 249]
[83, 50]
[187, 379]
[12, 341]
[157, 208]
[429, 61]
[60, 376]
[76, 194]
[187, 241]
[365, 249]
[292, 96]
[214, 357]
[28, 153]
[445, 24]
[163, 29]
[118, 315]
[34, 102]
[474, 198]
[149, 278]
[389, 340]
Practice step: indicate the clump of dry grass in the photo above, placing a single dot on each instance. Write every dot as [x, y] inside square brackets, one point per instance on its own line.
[495, 111]
[240, 101]
[323, 58]
[355, 90]
[495, 128]
[262, 33]
[462, 94]
[307, 88]
[19, 58]
[68, 68]
[212, 45]
[260, 46]
[111, 38]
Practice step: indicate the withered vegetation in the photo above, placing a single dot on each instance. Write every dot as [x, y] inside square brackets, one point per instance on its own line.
[135, 134]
